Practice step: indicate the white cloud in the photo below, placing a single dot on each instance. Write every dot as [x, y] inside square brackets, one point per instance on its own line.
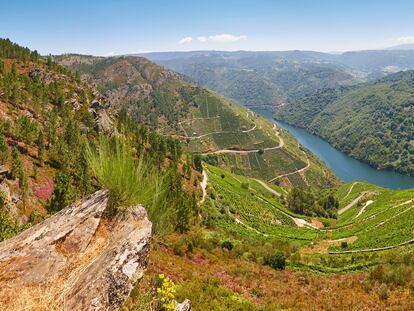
[221, 38]
[406, 40]
[185, 40]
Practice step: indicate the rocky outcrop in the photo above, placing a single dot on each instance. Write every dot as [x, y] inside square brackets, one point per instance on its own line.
[184, 306]
[78, 259]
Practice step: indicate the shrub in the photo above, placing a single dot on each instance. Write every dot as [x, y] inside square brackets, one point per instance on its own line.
[344, 244]
[227, 245]
[383, 291]
[129, 181]
[276, 261]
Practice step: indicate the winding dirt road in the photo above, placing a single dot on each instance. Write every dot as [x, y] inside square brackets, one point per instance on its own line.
[239, 151]
[351, 204]
[264, 185]
[297, 171]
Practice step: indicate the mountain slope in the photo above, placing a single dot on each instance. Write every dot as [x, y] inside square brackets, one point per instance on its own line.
[372, 122]
[219, 129]
[258, 79]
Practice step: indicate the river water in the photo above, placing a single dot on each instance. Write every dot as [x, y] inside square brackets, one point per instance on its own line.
[345, 167]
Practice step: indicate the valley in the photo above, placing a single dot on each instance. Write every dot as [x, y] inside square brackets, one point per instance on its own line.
[345, 167]
[235, 210]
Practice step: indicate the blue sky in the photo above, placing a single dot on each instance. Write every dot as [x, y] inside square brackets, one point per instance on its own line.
[116, 27]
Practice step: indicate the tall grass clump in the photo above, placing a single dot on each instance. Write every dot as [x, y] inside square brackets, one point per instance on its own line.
[129, 180]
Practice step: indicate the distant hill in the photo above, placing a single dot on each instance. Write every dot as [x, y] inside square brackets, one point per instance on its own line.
[269, 80]
[258, 79]
[408, 46]
[372, 122]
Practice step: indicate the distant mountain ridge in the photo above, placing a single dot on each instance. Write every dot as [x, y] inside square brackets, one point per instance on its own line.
[271, 79]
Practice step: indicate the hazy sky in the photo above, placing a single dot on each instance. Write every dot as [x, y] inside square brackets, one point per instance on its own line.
[109, 27]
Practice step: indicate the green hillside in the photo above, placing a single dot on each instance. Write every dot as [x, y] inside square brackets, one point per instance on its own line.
[369, 217]
[372, 122]
[220, 130]
[387, 219]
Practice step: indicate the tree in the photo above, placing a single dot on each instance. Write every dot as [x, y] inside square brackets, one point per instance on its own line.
[40, 142]
[4, 153]
[1, 67]
[276, 261]
[62, 193]
[198, 163]
[16, 163]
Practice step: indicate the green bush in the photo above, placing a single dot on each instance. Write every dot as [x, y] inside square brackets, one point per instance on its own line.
[276, 261]
[227, 245]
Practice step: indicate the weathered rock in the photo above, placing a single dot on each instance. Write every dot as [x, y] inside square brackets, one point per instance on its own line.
[78, 259]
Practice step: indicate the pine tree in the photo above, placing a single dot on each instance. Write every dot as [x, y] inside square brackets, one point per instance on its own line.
[4, 153]
[13, 72]
[17, 167]
[40, 148]
[63, 192]
[1, 67]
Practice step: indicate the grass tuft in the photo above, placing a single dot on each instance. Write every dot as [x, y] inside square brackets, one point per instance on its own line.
[128, 179]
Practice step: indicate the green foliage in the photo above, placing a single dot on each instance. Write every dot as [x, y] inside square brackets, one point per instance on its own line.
[17, 167]
[9, 49]
[198, 163]
[40, 142]
[26, 129]
[227, 245]
[4, 151]
[312, 204]
[276, 261]
[63, 193]
[129, 181]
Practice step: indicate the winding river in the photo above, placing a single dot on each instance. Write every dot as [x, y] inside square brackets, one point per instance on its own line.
[345, 167]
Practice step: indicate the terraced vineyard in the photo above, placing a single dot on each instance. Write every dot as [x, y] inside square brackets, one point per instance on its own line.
[247, 144]
[387, 221]
[243, 205]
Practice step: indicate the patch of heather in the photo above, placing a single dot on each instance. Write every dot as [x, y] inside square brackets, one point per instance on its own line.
[44, 191]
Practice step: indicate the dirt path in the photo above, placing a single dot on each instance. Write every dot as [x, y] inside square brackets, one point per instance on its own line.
[237, 220]
[350, 190]
[238, 151]
[264, 185]
[203, 185]
[351, 204]
[297, 171]
[364, 207]
[249, 130]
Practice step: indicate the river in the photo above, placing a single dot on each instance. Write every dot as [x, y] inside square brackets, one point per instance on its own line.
[345, 167]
